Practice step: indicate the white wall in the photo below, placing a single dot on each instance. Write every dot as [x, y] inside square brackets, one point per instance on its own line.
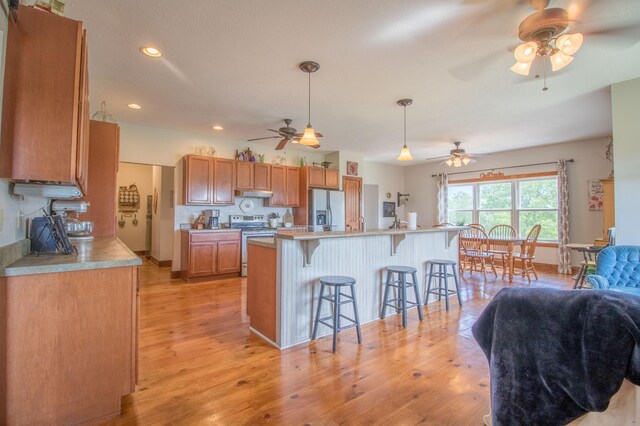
[390, 180]
[136, 237]
[590, 163]
[625, 98]
[162, 219]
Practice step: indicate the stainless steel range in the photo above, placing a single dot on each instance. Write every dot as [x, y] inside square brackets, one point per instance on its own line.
[252, 227]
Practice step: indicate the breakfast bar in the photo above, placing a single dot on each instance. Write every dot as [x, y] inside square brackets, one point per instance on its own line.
[283, 273]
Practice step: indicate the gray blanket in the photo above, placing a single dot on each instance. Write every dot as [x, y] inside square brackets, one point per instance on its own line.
[555, 355]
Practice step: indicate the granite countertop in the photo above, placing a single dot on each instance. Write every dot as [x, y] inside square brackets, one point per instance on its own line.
[264, 242]
[101, 252]
[350, 234]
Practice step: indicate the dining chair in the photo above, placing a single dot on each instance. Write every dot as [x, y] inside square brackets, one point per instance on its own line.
[527, 253]
[502, 248]
[475, 249]
[478, 225]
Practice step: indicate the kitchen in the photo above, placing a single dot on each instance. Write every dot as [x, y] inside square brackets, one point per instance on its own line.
[185, 339]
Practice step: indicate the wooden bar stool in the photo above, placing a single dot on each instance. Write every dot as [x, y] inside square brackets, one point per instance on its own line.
[443, 280]
[337, 298]
[401, 285]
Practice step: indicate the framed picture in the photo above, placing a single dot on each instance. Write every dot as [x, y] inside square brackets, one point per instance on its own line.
[388, 209]
[595, 194]
[352, 168]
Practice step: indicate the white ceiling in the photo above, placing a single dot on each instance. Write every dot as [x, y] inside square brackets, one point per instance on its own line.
[235, 63]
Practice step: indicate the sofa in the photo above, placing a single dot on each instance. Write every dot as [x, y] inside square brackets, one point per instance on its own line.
[617, 269]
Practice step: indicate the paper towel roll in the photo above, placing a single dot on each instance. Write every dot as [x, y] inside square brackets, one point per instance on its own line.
[412, 220]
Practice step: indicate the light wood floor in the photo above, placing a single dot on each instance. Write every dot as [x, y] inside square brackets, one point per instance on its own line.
[199, 363]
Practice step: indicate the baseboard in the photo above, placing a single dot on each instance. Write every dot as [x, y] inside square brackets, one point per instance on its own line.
[176, 274]
[140, 252]
[160, 263]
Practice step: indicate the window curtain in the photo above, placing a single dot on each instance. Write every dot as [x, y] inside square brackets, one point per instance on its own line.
[564, 254]
[443, 190]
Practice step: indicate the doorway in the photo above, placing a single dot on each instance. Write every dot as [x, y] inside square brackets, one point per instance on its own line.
[145, 210]
[352, 187]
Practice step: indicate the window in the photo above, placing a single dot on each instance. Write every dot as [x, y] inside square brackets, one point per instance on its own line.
[521, 203]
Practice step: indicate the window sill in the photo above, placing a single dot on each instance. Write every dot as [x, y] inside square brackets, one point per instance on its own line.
[547, 244]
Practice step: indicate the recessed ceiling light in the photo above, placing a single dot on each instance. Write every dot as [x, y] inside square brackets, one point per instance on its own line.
[151, 51]
[134, 106]
[217, 127]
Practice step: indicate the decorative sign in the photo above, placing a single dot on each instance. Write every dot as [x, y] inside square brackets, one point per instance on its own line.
[128, 199]
[595, 194]
[352, 168]
[492, 175]
[388, 209]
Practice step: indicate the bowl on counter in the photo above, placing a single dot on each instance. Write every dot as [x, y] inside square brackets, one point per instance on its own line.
[79, 228]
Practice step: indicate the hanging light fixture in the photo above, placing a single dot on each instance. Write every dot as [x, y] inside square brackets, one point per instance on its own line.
[405, 155]
[309, 137]
[103, 114]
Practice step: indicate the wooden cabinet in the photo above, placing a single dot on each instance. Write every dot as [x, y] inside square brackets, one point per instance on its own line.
[103, 170]
[319, 177]
[197, 180]
[69, 345]
[207, 254]
[244, 175]
[44, 134]
[262, 177]
[285, 184]
[253, 176]
[223, 181]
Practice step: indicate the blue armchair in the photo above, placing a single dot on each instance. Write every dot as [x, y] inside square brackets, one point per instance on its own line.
[617, 269]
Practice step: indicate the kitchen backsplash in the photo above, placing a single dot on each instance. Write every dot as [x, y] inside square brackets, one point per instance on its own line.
[183, 214]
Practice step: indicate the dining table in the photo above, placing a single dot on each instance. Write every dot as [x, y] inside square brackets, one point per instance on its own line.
[588, 253]
[510, 243]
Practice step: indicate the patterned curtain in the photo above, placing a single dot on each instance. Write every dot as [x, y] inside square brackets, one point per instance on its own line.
[564, 255]
[443, 191]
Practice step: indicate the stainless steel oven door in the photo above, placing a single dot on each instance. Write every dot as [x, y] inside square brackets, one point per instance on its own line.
[245, 237]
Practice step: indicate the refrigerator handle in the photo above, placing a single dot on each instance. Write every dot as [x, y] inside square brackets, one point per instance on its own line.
[329, 209]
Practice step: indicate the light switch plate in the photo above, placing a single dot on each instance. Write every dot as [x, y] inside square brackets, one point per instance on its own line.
[1, 220]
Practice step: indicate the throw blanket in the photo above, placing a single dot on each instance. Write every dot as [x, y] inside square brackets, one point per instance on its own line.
[555, 355]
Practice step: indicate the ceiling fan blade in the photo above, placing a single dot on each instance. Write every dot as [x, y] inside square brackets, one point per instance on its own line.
[437, 158]
[259, 139]
[626, 35]
[275, 131]
[315, 146]
[281, 145]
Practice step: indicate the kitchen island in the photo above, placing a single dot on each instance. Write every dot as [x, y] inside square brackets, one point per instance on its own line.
[283, 273]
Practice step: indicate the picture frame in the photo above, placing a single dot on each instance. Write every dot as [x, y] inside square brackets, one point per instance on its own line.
[352, 168]
[388, 209]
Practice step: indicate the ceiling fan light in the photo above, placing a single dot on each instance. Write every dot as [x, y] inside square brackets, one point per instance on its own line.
[457, 162]
[526, 52]
[521, 68]
[569, 44]
[466, 160]
[559, 60]
[405, 155]
[309, 137]
[449, 162]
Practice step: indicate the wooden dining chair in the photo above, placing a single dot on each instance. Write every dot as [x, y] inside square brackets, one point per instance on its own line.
[475, 250]
[501, 248]
[479, 226]
[527, 254]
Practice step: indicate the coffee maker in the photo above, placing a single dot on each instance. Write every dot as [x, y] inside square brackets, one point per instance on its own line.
[212, 218]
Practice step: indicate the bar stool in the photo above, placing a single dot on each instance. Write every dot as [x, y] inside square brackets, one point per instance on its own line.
[401, 284]
[443, 278]
[338, 298]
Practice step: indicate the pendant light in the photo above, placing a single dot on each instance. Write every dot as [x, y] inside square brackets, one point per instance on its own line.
[309, 138]
[405, 155]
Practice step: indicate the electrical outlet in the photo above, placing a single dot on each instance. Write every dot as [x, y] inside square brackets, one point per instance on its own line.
[1, 220]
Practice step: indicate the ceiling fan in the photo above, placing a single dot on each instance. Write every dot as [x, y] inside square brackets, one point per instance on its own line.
[457, 157]
[288, 134]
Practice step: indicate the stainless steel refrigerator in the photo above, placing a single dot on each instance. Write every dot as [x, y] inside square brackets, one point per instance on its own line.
[326, 210]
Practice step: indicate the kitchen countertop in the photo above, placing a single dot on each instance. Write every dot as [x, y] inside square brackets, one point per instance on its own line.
[264, 242]
[101, 252]
[350, 234]
[212, 230]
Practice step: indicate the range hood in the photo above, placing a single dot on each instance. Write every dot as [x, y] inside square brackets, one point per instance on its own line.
[253, 193]
[47, 191]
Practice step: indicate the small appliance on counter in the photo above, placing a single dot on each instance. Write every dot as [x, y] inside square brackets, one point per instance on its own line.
[212, 218]
[75, 228]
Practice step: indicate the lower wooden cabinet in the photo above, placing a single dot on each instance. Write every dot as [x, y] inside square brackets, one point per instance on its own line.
[207, 254]
[69, 345]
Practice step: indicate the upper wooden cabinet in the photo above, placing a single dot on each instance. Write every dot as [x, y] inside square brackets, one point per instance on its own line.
[197, 180]
[319, 177]
[244, 175]
[223, 181]
[253, 176]
[207, 180]
[262, 177]
[285, 184]
[45, 124]
[103, 170]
